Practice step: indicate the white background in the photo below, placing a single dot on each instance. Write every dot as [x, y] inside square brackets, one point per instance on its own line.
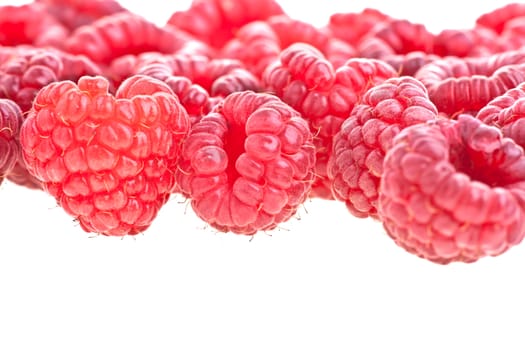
[326, 281]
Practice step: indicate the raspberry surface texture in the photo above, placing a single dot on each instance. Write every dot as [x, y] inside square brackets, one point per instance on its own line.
[124, 33]
[216, 21]
[76, 13]
[247, 166]
[30, 24]
[465, 85]
[307, 81]
[109, 161]
[453, 190]
[356, 163]
[10, 123]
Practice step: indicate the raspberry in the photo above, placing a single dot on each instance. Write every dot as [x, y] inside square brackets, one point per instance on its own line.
[291, 31]
[476, 42]
[124, 33]
[401, 36]
[109, 161]
[410, 63]
[458, 85]
[498, 18]
[256, 45]
[248, 165]
[453, 190]
[10, 122]
[356, 163]
[305, 80]
[76, 13]
[215, 21]
[25, 72]
[352, 26]
[30, 24]
[507, 112]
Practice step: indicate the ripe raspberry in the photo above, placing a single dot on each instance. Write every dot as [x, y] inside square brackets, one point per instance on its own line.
[507, 112]
[255, 44]
[356, 163]
[498, 18]
[401, 36]
[352, 26]
[290, 31]
[10, 122]
[453, 190]
[108, 160]
[157, 65]
[30, 24]
[76, 13]
[458, 85]
[513, 35]
[248, 165]
[124, 33]
[306, 81]
[215, 21]
[475, 42]
[410, 63]
[25, 72]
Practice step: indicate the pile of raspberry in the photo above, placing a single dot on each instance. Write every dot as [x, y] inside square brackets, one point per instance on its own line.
[247, 113]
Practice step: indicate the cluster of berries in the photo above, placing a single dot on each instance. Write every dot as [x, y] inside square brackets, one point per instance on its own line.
[247, 113]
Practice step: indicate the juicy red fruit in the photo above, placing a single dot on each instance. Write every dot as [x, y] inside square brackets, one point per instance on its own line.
[248, 165]
[10, 122]
[453, 190]
[108, 160]
[356, 164]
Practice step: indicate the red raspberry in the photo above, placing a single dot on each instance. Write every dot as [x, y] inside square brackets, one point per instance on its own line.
[76, 13]
[25, 72]
[30, 24]
[513, 35]
[453, 190]
[475, 42]
[108, 160]
[352, 26]
[507, 112]
[498, 18]
[10, 122]
[215, 21]
[248, 165]
[305, 80]
[291, 31]
[124, 33]
[256, 45]
[458, 85]
[356, 162]
[401, 36]
[157, 65]
[410, 63]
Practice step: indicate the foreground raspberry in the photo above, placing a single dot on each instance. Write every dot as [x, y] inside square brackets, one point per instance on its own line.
[247, 165]
[453, 190]
[108, 160]
[356, 163]
[24, 70]
[10, 122]
[307, 81]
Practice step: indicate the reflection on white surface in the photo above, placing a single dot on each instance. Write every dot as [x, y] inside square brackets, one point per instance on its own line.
[326, 281]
